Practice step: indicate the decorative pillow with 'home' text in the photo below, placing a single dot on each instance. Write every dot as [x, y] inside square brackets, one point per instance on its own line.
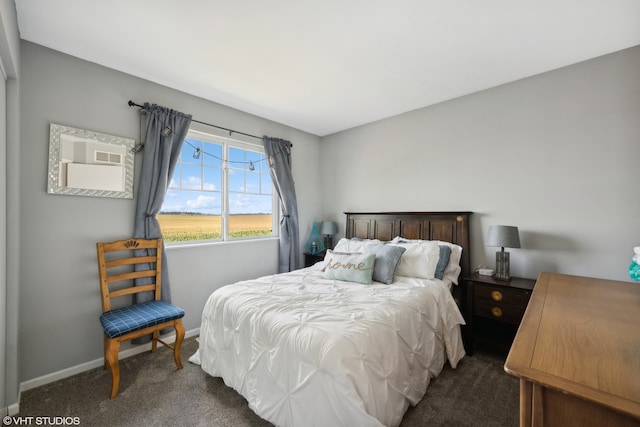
[349, 267]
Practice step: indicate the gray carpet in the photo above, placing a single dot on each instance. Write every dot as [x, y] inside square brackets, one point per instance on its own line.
[154, 393]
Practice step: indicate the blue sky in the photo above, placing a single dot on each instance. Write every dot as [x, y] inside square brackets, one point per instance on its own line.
[201, 180]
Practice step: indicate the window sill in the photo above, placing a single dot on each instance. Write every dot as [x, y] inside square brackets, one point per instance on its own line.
[169, 246]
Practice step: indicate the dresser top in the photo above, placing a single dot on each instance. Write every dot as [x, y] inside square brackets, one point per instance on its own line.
[582, 335]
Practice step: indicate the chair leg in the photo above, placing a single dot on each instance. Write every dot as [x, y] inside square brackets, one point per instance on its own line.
[177, 346]
[106, 364]
[154, 341]
[113, 346]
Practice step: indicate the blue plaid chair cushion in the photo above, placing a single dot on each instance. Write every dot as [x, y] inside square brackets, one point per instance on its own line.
[123, 320]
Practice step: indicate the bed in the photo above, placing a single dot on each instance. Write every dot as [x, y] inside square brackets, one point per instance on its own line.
[316, 347]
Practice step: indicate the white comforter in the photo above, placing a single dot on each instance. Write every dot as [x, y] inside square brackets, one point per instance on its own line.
[307, 351]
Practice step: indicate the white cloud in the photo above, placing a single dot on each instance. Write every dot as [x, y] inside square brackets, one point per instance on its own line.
[191, 182]
[170, 194]
[203, 202]
[172, 208]
[248, 188]
[244, 203]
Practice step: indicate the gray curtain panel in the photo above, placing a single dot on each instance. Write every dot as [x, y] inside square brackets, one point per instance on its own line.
[166, 131]
[278, 153]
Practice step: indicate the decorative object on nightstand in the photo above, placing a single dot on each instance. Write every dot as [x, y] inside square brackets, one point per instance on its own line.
[634, 268]
[328, 229]
[504, 236]
[494, 308]
[314, 244]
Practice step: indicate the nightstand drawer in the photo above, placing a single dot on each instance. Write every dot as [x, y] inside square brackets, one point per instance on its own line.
[505, 296]
[498, 311]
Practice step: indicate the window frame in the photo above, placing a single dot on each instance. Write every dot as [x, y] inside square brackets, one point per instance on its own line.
[226, 143]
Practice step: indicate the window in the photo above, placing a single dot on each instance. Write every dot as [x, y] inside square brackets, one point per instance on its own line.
[220, 190]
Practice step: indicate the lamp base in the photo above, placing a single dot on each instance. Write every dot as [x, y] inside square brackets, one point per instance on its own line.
[328, 241]
[502, 266]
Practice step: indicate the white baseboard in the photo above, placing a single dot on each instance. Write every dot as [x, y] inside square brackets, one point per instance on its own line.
[13, 409]
[73, 370]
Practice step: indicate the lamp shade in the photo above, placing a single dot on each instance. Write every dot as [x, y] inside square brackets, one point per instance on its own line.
[505, 236]
[328, 228]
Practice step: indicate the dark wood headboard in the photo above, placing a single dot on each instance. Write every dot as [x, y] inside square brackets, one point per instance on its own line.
[447, 226]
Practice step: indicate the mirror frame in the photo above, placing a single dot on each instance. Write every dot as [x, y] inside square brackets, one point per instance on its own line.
[55, 185]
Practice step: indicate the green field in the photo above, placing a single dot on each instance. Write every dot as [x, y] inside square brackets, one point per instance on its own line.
[184, 226]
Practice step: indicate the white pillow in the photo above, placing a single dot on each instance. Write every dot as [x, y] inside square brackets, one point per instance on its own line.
[354, 245]
[419, 259]
[452, 272]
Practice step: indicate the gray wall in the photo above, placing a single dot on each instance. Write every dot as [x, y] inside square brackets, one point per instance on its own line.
[59, 299]
[9, 202]
[557, 155]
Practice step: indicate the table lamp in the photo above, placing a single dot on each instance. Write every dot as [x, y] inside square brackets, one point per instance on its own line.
[328, 229]
[504, 236]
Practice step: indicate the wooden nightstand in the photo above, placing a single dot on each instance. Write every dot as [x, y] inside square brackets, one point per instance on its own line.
[494, 309]
[310, 259]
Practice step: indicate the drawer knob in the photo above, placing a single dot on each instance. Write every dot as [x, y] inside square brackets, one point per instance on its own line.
[496, 295]
[496, 311]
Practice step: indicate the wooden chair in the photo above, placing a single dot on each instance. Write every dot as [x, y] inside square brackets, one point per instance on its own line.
[117, 263]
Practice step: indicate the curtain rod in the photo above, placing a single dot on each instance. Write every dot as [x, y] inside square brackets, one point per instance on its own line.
[133, 104]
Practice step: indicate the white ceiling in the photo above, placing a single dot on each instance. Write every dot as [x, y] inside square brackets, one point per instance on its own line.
[328, 65]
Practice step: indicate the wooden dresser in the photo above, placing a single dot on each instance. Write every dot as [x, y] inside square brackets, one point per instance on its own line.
[577, 353]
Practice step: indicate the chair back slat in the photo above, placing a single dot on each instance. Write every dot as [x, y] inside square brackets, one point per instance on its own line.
[132, 290]
[121, 245]
[116, 264]
[131, 275]
[130, 261]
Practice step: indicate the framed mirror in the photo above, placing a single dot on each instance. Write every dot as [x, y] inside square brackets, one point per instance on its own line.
[85, 163]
